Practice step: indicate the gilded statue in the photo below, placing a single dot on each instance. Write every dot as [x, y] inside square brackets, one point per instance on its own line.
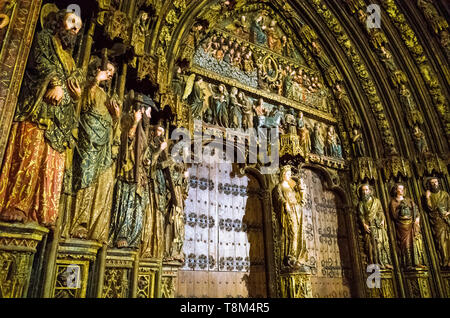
[32, 173]
[359, 149]
[438, 207]
[419, 140]
[408, 229]
[247, 110]
[131, 194]
[289, 197]
[303, 132]
[374, 228]
[153, 236]
[140, 33]
[175, 222]
[93, 160]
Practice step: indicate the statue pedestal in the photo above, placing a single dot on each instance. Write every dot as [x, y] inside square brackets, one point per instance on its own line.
[169, 278]
[149, 278]
[296, 285]
[73, 266]
[446, 280]
[119, 273]
[417, 283]
[18, 244]
[386, 289]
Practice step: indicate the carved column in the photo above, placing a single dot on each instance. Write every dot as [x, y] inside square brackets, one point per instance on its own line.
[149, 279]
[16, 41]
[418, 284]
[119, 273]
[74, 265]
[296, 285]
[169, 278]
[386, 288]
[18, 244]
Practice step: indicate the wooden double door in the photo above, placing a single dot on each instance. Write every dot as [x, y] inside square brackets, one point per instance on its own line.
[224, 236]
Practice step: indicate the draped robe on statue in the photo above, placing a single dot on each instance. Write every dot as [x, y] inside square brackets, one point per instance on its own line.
[33, 168]
[438, 206]
[153, 234]
[94, 167]
[291, 220]
[409, 238]
[131, 195]
[370, 212]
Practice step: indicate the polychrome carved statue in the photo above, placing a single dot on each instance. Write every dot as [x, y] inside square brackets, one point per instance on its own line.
[371, 216]
[94, 156]
[288, 196]
[33, 169]
[408, 229]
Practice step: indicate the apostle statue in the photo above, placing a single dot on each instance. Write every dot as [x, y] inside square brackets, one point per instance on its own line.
[131, 194]
[33, 168]
[438, 206]
[407, 223]
[289, 197]
[153, 238]
[371, 216]
[93, 160]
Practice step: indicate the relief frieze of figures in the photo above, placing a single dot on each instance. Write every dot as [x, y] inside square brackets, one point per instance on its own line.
[229, 107]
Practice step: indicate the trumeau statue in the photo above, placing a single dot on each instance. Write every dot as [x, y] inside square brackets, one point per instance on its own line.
[289, 197]
[93, 161]
[43, 125]
[408, 229]
[131, 194]
[438, 207]
[371, 216]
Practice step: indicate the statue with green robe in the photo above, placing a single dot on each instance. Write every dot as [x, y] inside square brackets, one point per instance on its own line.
[93, 161]
[131, 193]
[371, 217]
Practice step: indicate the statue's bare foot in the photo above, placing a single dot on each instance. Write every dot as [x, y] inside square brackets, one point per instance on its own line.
[80, 232]
[122, 243]
[388, 266]
[12, 215]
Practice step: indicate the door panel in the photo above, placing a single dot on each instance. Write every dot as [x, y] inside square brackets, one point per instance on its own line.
[224, 242]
